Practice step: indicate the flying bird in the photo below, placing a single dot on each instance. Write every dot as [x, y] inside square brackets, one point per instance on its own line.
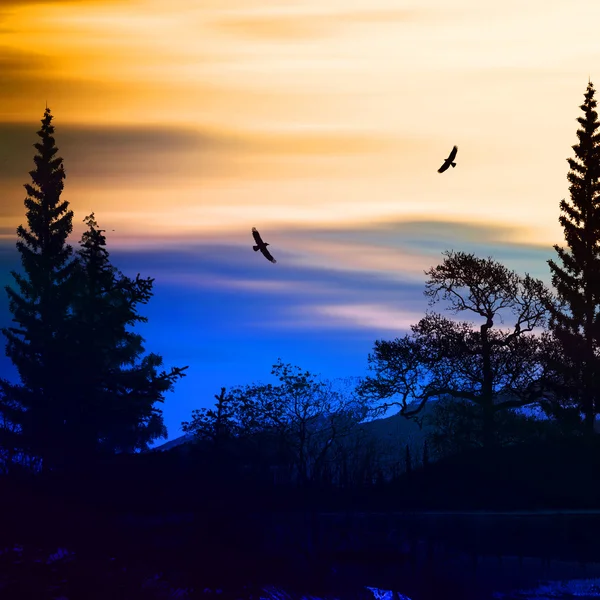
[449, 160]
[262, 246]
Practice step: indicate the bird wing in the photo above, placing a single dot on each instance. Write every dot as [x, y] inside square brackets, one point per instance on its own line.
[444, 166]
[267, 254]
[256, 236]
[452, 154]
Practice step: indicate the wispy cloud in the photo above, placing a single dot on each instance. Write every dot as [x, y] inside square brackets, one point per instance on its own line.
[20, 63]
[18, 70]
[405, 249]
[393, 252]
[99, 150]
[229, 314]
[284, 24]
[373, 317]
[385, 276]
[322, 123]
[58, 3]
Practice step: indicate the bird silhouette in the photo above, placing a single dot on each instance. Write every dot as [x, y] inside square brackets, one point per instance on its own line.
[262, 246]
[449, 160]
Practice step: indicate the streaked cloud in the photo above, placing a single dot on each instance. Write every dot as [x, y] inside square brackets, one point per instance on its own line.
[299, 24]
[305, 294]
[305, 281]
[19, 71]
[20, 63]
[405, 249]
[229, 314]
[99, 150]
[57, 3]
[373, 317]
[322, 123]
[148, 162]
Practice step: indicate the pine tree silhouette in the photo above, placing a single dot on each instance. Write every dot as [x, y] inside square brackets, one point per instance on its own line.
[114, 394]
[577, 280]
[41, 307]
[83, 387]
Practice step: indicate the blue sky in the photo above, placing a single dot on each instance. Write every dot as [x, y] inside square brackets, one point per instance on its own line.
[322, 123]
[229, 314]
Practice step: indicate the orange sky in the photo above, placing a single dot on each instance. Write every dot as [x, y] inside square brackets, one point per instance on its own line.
[314, 112]
[184, 123]
[205, 118]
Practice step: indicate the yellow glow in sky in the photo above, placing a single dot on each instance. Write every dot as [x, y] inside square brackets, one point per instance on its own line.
[307, 113]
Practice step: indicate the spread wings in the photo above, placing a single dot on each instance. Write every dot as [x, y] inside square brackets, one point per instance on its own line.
[267, 254]
[257, 237]
[261, 245]
[449, 160]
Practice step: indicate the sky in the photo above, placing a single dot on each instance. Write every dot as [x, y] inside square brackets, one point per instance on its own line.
[185, 123]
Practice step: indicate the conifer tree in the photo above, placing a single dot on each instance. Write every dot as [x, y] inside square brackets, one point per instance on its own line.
[112, 394]
[576, 325]
[219, 423]
[40, 307]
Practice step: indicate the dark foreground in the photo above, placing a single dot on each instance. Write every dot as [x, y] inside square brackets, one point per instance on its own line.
[294, 555]
[64, 575]
[156, 530]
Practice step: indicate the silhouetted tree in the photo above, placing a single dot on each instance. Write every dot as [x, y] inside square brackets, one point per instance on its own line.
[112, 395]
[40, 308]
[315, 416]
[71, 347]
[244, 426]
[457, 426]
[215, 425]
[301, 418]
[576, 324]
[443, 357]
[11, 439]
[563, 405]
[408, 460]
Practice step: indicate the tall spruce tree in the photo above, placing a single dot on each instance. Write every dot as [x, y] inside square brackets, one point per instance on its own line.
[41, 306]
[576, 325]
[112, 395]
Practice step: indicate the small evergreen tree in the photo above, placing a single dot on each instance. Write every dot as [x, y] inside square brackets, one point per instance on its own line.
[218, 424]
[36, 405]
[112, 396]
[576, 325]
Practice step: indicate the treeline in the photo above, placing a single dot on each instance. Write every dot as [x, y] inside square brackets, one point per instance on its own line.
[520, 364]
[523, 365]
[85, 389]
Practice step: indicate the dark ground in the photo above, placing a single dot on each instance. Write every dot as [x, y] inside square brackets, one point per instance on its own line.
[152, 527]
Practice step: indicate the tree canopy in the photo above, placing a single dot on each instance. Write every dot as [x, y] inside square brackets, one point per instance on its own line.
[496, 368]
[575, 323]
[41, 306]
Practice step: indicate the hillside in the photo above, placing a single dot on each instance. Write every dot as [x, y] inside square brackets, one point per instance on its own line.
[391, 430]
